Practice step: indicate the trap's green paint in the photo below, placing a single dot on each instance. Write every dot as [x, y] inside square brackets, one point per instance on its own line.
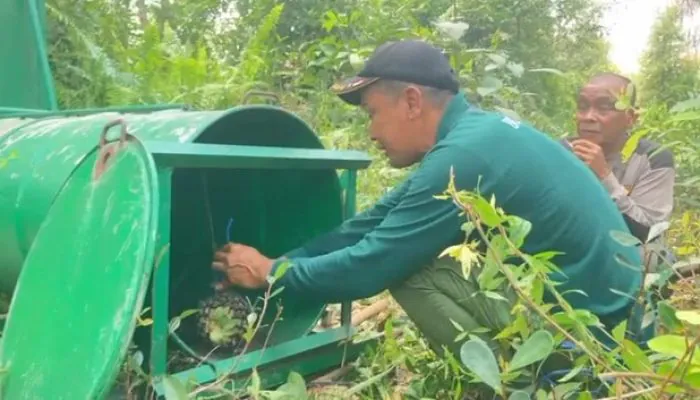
[278, 184]
[83, 263]
[25, 75]
[46, 149]
[70, 321]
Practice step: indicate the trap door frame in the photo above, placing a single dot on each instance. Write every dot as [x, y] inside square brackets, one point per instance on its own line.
[170, 156]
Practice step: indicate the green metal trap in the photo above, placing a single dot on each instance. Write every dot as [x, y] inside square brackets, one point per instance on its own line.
[105, 213]
[132, 223]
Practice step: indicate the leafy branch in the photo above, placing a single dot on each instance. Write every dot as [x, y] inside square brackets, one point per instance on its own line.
[503, 235]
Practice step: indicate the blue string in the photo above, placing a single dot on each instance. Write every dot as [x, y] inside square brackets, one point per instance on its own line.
[228, 230]
[219, 274]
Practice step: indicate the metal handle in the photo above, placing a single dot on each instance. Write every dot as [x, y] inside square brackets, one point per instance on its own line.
[122, 135]
[261, 93]
[106, 152]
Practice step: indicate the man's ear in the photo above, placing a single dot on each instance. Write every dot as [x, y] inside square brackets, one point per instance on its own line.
[414, 100]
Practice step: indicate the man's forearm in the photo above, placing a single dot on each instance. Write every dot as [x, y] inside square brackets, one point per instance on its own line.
[411, 235]
[351, 231]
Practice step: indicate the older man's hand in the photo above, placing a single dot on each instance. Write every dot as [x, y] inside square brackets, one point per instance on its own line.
[592, 154]
[243, 266]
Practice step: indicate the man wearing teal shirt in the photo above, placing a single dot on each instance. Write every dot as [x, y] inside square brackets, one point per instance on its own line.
[418, 115]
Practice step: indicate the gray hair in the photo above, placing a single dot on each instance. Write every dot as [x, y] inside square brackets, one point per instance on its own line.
[437, 97]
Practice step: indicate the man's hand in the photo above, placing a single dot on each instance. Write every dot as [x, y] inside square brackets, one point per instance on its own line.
[591, 154]
[243, 265]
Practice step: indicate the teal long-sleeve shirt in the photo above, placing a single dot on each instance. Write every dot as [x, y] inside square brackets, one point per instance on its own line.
[531, 176]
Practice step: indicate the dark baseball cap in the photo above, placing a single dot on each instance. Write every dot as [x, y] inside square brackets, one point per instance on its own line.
[410, 61]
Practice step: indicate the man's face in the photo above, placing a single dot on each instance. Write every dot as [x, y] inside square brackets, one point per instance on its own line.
[394, 124]
[597, 118]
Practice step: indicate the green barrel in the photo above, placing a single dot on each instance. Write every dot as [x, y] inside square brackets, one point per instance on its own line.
[271, 209]
[253, 207]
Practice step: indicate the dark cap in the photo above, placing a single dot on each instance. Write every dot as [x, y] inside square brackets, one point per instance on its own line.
[410, 61]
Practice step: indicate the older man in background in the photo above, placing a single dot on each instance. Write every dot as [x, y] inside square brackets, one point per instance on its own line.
[641, 186]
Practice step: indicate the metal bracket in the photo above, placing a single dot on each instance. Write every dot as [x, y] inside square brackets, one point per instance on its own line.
[107, 150]
[261, 93]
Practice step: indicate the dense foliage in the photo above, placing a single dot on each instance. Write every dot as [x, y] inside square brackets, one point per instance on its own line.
[526, 57]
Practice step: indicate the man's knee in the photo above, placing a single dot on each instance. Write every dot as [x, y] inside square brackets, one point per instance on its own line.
[438, 297]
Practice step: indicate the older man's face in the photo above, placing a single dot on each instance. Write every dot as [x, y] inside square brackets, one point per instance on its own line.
[597, 118]
[394, 125]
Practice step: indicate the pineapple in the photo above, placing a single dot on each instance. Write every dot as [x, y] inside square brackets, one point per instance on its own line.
[223, 319]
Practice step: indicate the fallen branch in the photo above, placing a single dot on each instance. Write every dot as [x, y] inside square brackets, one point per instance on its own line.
[369, 312]
[650, 376]
[633, 394]
[357, 319]
[332, 377]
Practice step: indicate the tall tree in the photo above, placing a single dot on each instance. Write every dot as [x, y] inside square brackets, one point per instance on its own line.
[668, 72]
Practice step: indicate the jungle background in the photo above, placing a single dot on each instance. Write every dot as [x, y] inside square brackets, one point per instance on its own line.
[526, 57]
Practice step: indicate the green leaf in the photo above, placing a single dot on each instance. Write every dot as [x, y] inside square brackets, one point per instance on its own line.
[454, 30]
[489, 85]
[468, 228]
[625, 238]
[187, 313]
[295, 388]
[137, 359]
[516, 69]
[537, 292]
[547, 255]
[693, 379]
[174, 324]
[486, 212]
[507, 332]
[672, 345]
[619, 331]
[574, 371]
[174, 389]
[634, 357]
[586, 317]
[499, 59]
[691, 317]
[281, 269]
[356, 61]
[689, 104]
[480, 360]
[457, 325]
[548, 70]
[519, 395]
[625, 263]
[255, 383]
[667, 315]
[585, 396]
[367, 383]
[685, 116]
[623, 294]
[494, 296]
[577, 291]
[631, 144]
[518, 230]
[536, 348]
[276, 292]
